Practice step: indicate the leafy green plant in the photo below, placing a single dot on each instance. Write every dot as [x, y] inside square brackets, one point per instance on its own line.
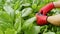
[18, 17]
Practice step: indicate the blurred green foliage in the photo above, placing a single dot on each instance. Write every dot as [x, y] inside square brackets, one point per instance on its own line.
[18, 17]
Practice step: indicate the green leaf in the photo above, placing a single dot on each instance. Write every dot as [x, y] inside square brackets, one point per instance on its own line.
[28, 22]
[5, 20]
[32, 30]
[8, 0]
[1, 32]
[5, 17]
[10, 31]
[36, 1]
[49, 33]
[26, 12]
[58, 32]
[9, 10]
[17, 24]
[36, 29]
[34, 6]
[17, 5]
[26, 4]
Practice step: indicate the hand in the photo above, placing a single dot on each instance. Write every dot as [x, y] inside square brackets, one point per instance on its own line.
[55, 20]
[41, 19]
[44, 10]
